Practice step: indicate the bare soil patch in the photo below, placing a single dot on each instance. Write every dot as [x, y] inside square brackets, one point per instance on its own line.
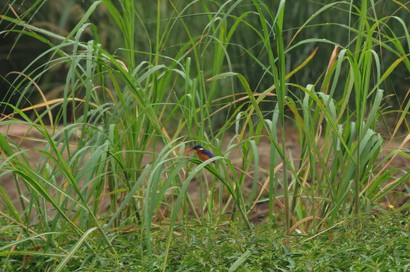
[30, 142]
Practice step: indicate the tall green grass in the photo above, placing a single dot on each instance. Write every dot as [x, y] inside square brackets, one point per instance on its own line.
[113, 157]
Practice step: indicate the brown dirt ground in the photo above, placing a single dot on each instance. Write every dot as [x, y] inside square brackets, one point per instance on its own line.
[30, 140]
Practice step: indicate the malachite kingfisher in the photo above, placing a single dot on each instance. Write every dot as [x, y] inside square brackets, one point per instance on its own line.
[202, 153]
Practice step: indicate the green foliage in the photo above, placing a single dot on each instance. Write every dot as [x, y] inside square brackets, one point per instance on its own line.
[378, 243]
[140, 82]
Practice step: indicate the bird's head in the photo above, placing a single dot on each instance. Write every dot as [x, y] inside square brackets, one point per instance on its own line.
[195, 148]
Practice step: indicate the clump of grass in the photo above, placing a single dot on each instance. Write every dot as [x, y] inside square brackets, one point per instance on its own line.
[379, 242]
[115, 171]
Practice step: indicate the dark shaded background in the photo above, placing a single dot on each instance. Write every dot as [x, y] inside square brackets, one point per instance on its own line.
[18, 51]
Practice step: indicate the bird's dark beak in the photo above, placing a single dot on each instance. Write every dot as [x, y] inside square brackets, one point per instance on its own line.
[189, 149]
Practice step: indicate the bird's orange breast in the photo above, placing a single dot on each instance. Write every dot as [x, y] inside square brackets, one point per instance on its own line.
[202, 155]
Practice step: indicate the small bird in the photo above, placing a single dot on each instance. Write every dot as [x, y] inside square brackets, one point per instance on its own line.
[202, 153]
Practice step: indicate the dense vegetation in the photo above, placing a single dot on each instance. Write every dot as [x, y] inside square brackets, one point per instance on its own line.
[116, 90]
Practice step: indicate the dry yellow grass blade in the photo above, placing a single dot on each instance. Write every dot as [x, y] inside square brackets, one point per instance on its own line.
[265, 184]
